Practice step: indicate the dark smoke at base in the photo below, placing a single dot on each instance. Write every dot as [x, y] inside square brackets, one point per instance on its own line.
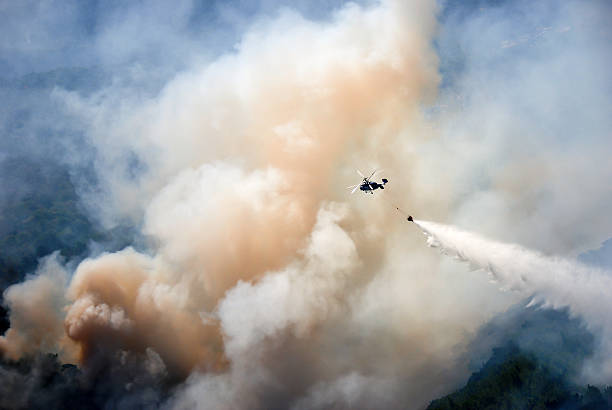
[549, 337]
[42, 382]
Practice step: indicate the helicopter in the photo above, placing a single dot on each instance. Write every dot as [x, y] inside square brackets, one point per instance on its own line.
[370, 186]
[366, 185]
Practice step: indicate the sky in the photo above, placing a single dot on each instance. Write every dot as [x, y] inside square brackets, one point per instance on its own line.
[225, 134]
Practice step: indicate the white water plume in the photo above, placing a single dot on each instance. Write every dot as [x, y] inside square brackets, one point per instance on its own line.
[552, 281]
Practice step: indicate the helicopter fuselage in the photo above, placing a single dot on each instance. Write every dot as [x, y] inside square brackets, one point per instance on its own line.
[370, 186]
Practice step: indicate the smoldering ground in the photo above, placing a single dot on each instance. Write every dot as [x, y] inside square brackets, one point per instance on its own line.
[261, 284]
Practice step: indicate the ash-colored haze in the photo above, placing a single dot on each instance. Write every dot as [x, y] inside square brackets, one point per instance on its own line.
[263, 285]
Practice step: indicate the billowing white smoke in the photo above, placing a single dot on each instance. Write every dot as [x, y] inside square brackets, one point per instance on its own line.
[552, 282]
[295, 300]
[236, 173]
[264, 283]
[301, 295]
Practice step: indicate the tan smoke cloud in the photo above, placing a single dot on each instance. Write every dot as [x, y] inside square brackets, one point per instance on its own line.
[36, 313]
[277, 119]
[122, 301]
[255, 266]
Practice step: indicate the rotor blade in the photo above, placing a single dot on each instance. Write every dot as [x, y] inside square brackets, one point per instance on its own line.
[352, 186]
[376, 171]
[354, 189]
[360, 174]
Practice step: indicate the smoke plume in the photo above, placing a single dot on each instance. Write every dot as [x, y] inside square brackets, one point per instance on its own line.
[36, 311]
[250, 256]
[254, 279]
